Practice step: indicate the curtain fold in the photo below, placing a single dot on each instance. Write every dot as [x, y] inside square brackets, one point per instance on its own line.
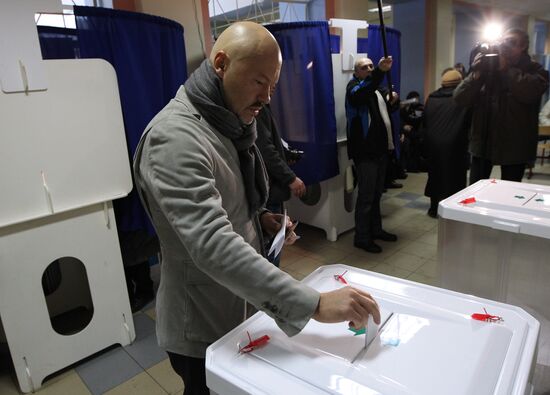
[303, 103]
[58, 42]
[148, 55]
[375, 51]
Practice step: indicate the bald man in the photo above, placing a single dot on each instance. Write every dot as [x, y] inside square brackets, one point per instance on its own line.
[203, 182]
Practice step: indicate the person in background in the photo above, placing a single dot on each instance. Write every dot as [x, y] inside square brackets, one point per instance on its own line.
[461, 69]
[505, 99]
[445, 129]
[544, 115]
[203, 183]
[411, 119]
[136, 248]
[282, 180]
[369, 139]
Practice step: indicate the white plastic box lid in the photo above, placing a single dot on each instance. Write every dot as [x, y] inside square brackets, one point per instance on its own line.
[429, 345]
[503, 205]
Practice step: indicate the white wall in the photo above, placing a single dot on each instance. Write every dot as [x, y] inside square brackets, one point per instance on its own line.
[183, 12]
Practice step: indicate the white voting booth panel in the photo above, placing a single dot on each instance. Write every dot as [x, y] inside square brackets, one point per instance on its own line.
[63, 158]
[331, 213]
[26, 250]
[498, 247]
[63, 148]
[429, 345]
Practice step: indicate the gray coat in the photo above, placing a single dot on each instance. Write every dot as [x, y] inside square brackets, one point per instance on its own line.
[505, 112]
[189, 179]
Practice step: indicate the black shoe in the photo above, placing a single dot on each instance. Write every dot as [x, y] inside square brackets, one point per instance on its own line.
[402, 176]
[432, 213]
[393, 185]
[385, 236]
[369, 246]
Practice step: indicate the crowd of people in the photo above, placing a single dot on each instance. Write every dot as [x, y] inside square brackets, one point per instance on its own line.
[488, 116]
[212, 174]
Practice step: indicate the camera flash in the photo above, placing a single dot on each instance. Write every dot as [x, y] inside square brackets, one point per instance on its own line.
[492, 32]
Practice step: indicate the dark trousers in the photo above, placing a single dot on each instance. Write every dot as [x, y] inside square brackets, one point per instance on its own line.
[370, 185]
[481, 169]
[193, 373]
[138, 280]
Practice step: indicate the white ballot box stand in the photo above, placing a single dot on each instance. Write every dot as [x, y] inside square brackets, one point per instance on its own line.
[428, 343]
[334, 211]
[493, 242]
[63, 159]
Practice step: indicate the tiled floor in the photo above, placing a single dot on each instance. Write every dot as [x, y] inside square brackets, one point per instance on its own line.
[143, 368]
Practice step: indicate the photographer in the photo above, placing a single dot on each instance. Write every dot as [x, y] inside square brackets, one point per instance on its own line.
[503, 88]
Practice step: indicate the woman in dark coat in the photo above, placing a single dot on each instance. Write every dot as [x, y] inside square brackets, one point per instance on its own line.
[446, 127]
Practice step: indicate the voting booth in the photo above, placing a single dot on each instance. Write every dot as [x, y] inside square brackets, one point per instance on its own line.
[63, 159]
[334, 209]
[493, 242]
[428, 343]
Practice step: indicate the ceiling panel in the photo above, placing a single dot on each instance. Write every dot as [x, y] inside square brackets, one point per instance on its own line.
[538, 8]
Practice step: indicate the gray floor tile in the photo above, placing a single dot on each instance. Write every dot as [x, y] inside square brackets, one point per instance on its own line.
[541, 380]
[408, 195]
[108, 370]
[146, 352]
[144, 325]
[418, 204]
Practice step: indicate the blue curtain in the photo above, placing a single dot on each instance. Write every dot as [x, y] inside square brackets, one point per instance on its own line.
[58, 43]
[335, 44]
[303, 103]
[375, 51]
[362, 44]
[148, 54]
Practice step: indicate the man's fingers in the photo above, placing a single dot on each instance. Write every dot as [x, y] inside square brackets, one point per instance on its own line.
[355, 316]
[370, 306]
[347, 304]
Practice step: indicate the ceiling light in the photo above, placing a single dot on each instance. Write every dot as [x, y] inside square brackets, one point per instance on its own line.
[385, 8]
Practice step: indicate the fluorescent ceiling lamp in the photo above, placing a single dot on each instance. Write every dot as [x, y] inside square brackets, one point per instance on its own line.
[385, 8]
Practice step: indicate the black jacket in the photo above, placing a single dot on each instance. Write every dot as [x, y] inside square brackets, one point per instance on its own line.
[270, 145]
[445, 130]
[362, 112]
[505, 111]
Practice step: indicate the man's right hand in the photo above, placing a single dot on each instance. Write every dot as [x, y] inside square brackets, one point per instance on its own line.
[476, 65]
[347, 304]
[385, 64]
[297, 187]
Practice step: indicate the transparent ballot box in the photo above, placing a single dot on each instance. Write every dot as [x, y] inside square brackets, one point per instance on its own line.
[427, 343]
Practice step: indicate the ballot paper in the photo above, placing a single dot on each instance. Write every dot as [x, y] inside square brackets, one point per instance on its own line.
[279, 239]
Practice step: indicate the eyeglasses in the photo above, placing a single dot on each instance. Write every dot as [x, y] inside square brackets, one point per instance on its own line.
[366, 67]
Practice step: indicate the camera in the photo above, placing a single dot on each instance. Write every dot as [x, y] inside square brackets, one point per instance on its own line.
[293, 155]
[489, 61]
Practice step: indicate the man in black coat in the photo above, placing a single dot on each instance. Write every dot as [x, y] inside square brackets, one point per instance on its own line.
[282, 180]
[445, 129]
[369, 138]
[505, 101]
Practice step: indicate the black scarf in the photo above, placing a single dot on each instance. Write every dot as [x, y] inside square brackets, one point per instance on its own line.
[204, 89]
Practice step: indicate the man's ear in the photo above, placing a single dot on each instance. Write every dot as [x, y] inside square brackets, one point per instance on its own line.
[221, 61]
